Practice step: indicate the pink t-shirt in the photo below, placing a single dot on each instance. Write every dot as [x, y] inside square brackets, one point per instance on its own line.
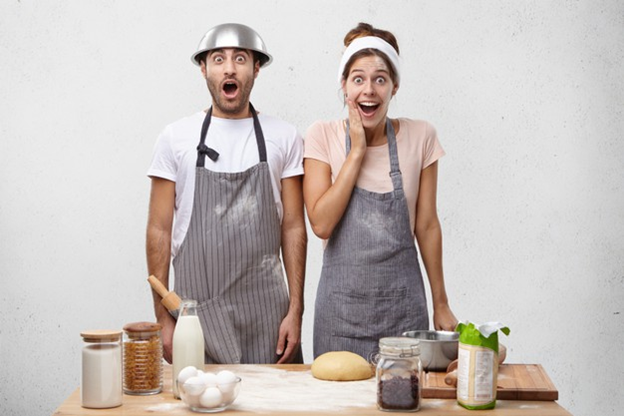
[417, 145]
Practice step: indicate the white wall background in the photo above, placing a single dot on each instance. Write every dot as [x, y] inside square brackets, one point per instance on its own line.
[527, 97]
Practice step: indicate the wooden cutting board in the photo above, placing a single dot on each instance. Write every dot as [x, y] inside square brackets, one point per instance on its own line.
[515, 382]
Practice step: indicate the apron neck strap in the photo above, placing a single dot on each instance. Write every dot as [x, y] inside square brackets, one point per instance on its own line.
[395, 172]
[203, 150]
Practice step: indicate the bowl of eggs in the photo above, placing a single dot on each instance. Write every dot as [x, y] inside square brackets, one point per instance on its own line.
[207, 392]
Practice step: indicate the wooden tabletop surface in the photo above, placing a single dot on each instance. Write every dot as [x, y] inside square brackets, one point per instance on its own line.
[291, 389]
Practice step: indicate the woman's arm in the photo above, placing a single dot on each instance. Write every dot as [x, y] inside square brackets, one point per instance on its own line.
[429, 236]
[326, 202]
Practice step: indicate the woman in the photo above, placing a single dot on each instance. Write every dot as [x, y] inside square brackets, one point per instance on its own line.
[369, 188]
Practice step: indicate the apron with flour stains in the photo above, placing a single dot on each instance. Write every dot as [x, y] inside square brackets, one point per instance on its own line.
[371, 285]
[229, 260]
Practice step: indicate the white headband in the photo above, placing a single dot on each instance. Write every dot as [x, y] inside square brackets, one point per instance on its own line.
[366, 43]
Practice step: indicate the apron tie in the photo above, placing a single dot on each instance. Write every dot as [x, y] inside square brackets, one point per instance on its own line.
[202, 149]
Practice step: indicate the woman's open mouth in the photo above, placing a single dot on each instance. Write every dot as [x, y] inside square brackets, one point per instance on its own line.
[368, 108]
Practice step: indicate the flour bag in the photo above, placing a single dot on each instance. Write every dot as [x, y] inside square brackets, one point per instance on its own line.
[477, 369]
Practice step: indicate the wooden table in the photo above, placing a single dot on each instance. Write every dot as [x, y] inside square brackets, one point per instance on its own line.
[291, 389]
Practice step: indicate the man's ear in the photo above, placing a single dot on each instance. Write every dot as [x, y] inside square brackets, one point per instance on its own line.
[256, 68]
[202, 65]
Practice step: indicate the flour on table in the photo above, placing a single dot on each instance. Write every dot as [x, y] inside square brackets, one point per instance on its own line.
[267, 390]
[167, 407]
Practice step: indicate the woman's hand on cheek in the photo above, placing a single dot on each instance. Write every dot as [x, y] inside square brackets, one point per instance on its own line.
[356, 128]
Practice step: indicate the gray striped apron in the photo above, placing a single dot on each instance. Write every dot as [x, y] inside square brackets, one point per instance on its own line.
[229, 260]
[371, 285]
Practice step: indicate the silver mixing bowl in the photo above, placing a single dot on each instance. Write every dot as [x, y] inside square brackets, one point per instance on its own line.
[437, 348]
[233, 35]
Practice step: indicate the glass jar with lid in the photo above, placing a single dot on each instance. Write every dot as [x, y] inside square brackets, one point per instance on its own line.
[399, 374]
[100, 385]
[142, 352]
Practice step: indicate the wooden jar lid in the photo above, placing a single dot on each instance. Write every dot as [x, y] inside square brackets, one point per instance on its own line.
[142, 330]
[101, 335]
[142, 327]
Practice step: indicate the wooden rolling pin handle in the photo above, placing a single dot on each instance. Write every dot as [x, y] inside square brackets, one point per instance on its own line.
[158, 286]
[170, 300]
[502, 353]
[451, 378]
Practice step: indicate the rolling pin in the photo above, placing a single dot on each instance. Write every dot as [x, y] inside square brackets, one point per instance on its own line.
[170, 300]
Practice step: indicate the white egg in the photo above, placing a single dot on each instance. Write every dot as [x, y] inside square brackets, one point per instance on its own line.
[194, 386]
[225, 376]
[225, 380]
[209, 379]
[192, 401]
[186, 373]
[227, 396]
[211, 397]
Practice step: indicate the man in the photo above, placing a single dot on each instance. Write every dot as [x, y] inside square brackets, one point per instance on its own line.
[224, 218]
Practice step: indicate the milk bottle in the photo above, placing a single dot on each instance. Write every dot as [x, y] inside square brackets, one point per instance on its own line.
[188, 342]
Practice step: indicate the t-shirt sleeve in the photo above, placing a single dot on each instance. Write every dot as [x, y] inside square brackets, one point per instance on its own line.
[432, 148]
[163, 161]
[294, 158]
[316, 143]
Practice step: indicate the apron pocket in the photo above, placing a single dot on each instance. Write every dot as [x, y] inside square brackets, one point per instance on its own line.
[222, 344]
[369, 314]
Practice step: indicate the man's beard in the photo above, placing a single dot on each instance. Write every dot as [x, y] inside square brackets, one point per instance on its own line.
[231, 107]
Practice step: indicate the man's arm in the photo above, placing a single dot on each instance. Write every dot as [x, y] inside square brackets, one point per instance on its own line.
[294, 250]
[158, 250]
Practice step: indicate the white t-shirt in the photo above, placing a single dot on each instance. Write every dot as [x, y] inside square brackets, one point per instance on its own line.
[175, 157]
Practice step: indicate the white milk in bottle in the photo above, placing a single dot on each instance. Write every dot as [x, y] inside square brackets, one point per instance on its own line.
[188, 342]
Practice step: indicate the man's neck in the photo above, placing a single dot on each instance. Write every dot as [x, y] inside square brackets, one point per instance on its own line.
[246, 113]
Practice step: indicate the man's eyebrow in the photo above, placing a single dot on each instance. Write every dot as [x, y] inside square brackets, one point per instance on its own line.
[220, 50]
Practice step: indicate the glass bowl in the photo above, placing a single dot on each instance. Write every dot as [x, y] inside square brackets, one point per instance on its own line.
[209, 399]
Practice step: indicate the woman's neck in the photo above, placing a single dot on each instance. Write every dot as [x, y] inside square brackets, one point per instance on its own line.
[376, 136]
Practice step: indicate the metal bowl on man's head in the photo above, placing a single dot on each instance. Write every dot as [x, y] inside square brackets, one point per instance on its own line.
[437, 348]
[233, 35]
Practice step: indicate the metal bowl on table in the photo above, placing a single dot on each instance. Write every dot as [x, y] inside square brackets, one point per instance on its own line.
[437, 348]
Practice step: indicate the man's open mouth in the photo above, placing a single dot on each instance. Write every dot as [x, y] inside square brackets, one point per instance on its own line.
[230, 88]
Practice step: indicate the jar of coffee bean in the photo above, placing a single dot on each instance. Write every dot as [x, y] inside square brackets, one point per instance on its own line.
[399, 374]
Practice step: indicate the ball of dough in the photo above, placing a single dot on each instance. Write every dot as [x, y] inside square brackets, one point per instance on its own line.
[341, 366]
